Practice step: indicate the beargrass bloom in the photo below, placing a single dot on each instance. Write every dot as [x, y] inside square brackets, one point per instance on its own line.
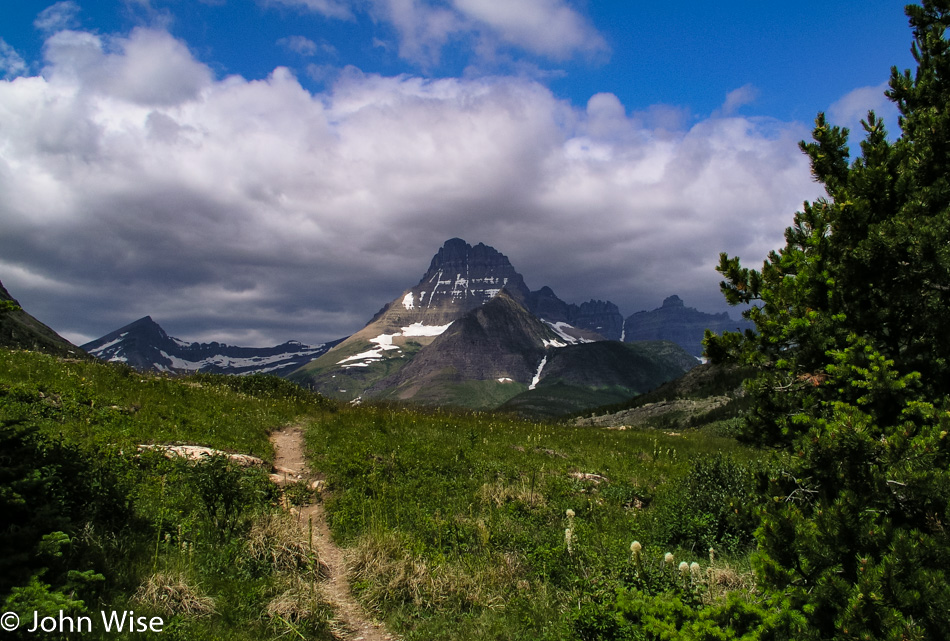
[635, 548]
[668, 558]
[570, 513]
[712, 555]
[684, 568]
[569, 540]
[694, 569]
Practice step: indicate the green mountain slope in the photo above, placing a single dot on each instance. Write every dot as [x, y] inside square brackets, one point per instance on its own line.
[589, 375]
[19, 330]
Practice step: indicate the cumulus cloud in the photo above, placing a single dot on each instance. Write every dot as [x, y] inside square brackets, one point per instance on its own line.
[57, 17]
[148, 68]
[548, 28]
[253, 211]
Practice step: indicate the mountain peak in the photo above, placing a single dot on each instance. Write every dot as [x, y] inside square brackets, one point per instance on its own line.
[462, 277]
[673, 301]
[457, 255]
[144, 345]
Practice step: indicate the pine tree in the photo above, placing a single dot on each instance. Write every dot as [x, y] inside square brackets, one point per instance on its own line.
[853, 353]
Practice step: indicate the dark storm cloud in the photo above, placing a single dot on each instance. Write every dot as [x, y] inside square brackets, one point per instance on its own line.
[254, 212]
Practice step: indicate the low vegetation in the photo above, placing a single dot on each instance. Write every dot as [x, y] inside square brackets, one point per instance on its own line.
[455, 522]
[472, 526]
[92, 524]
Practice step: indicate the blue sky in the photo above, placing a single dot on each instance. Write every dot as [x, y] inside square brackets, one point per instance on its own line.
[255, 171]
[798, 56]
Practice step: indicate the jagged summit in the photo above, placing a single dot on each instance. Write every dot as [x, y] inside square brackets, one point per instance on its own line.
[462, 277]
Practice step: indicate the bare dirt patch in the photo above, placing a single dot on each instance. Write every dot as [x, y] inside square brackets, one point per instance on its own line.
[290, 465]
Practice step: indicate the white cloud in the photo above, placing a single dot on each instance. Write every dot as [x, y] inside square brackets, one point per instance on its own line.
[145, 186]
[545, 27]
[737, 98]
[853, 107]
[149, 67]
[299, 44]
[57, 17]
[11, 63]
[549, 28]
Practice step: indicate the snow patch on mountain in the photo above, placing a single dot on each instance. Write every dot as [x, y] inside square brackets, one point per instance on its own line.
[561, 329]
[384, 343]
[260, 364]
[537, 375]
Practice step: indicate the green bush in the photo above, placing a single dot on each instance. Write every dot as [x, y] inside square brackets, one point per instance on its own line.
[713, 505]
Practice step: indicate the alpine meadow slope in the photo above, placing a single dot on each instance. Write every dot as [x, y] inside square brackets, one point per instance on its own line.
[19, 330]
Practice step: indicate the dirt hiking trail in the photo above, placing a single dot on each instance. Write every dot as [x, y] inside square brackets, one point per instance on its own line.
[290, 465]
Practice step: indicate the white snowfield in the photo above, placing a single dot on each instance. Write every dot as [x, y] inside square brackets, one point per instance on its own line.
[261, 364]
[384, 343]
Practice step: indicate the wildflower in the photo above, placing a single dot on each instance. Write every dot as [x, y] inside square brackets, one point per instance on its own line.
[570, 513]
[694, 569]
[668, 559]
[684, 568]
[712, 555]
[635, 548]
[569, 540]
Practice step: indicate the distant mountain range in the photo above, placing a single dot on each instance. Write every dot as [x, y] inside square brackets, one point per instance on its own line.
[472, 334]
[469, 333]
[673, 321]
[145, 346]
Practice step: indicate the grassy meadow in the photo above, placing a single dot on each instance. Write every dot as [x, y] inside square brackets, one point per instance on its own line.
[457, 525]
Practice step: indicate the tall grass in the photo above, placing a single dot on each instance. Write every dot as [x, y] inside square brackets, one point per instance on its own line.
[458, 525]
[458, 520]
[91, 524]
[96, 403]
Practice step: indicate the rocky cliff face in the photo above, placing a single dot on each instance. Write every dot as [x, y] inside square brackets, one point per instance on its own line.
[596, 317]
[460, 278]
[599, 316]
[685, 326]
[145, 346]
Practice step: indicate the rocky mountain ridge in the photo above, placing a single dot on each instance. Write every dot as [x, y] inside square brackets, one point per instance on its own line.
[471, 333]
[675, 322]
[144, 345]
